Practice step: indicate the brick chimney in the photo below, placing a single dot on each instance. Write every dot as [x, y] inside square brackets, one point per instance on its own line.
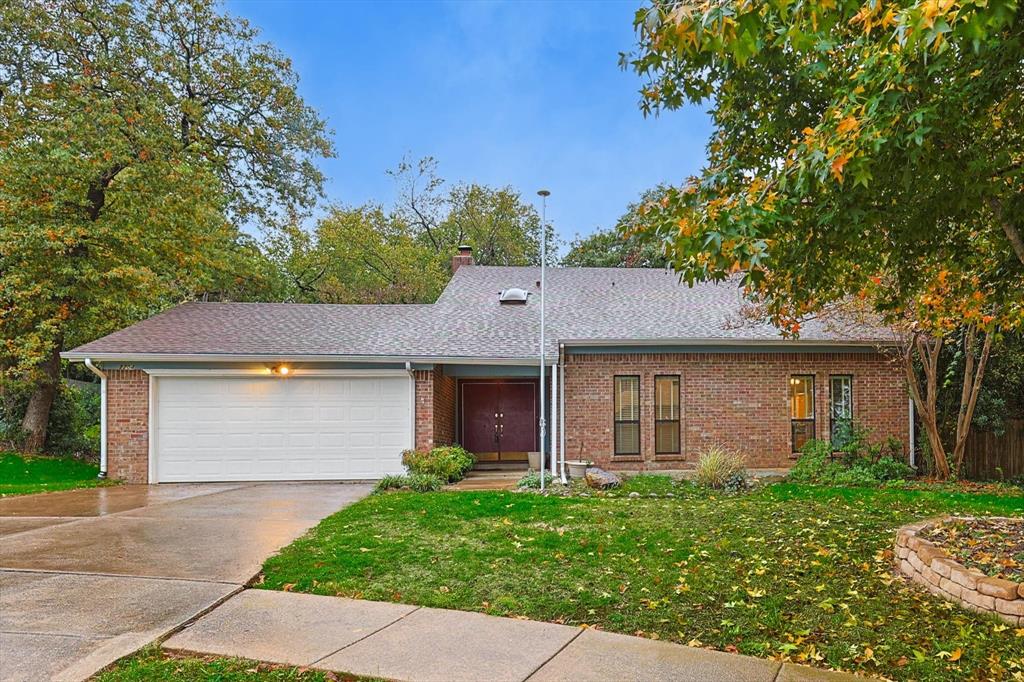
[463, 257]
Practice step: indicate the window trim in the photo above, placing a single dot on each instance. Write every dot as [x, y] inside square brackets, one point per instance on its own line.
[616, 421]
[831, 412]
[793, 422]
[679, 415]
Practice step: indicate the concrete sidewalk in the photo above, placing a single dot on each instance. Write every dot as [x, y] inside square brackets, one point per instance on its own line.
[418, 644]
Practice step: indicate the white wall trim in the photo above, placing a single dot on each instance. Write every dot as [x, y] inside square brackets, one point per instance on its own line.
[266, 372]
[151, 475]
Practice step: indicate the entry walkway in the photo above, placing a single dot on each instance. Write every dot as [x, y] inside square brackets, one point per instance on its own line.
[418, 644]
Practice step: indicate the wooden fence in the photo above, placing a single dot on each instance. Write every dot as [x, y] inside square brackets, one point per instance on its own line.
[989, 456]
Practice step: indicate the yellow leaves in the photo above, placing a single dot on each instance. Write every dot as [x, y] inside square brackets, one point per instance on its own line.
[838, 164]
[952, 656]
[848, 124]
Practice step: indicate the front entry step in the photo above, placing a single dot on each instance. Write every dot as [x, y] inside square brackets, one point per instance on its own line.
[501, 466]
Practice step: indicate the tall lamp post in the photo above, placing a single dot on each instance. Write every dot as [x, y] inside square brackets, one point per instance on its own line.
[543, 194]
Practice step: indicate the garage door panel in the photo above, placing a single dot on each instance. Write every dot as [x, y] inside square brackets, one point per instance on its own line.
[268, 428]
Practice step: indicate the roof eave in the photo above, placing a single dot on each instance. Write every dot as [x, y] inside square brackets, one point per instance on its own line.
[782, 343]
[80, 356]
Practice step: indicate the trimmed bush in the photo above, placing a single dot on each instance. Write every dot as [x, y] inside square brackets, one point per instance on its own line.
[421, 483]
[449, 463]
[721, 468]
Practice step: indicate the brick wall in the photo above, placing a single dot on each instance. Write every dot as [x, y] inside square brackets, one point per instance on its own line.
[444, 408]
[740, 400]
[435, 409]
[128, 425]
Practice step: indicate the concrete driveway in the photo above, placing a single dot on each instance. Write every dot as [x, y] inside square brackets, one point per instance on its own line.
[88, 576]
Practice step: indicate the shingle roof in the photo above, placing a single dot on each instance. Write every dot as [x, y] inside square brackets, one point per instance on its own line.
[595, 304]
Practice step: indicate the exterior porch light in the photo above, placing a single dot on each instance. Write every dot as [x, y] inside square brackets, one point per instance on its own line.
[281, 370]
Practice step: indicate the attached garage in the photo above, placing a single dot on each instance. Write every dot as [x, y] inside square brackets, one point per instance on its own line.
[259, 427]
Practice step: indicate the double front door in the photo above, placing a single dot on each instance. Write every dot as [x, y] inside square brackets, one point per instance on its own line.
[499, 418]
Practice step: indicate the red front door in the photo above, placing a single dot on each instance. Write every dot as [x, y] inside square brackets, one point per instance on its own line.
[499, 418]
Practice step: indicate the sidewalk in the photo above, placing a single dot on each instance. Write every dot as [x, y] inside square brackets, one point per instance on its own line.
[418, 644]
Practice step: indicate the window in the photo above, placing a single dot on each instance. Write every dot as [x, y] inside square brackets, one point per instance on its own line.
[840, 409]
[666, 415]
[801, 409]
[627, 415]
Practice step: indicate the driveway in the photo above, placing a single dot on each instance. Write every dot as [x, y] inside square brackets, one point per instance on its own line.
[88, 576]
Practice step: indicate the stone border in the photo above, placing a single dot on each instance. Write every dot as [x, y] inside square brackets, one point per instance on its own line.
[924, 562]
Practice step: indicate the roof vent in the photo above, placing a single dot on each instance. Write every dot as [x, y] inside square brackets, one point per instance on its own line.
[514, 295]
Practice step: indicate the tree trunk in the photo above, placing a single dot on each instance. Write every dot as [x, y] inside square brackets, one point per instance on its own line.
[928, 351]
[37, 414]
[969, 396]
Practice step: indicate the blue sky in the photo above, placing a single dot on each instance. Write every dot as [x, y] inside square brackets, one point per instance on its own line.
[527, 94]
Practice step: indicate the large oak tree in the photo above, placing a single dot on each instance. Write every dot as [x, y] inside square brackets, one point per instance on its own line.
[135, 139]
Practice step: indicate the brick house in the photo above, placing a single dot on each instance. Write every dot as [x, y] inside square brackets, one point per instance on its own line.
[641, 373]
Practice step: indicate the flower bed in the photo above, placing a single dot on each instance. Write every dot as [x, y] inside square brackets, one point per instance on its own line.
[971, 541]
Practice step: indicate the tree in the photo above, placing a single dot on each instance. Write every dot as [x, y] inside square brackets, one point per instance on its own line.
[620, 246]
[134, 139]
[361, 255]
[854, 144]
[369, 254]
[497, 223]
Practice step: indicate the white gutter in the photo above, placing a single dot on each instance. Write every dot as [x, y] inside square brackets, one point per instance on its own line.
[103, 416]
[264, 357]
[711, 341]
[412, 405]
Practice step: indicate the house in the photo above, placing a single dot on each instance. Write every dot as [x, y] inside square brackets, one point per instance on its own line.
[648, 372]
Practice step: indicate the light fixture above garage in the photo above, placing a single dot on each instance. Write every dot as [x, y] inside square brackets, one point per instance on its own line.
[281, 370]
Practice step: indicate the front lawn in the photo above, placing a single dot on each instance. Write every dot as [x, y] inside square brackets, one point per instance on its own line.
[23, 474]
[793, 571]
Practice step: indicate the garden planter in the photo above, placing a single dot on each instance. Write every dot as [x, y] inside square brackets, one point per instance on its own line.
[534, 460]
[577, 468]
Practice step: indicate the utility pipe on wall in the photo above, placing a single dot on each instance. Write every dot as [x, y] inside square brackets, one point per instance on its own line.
[561, 413]
[103, 416]
[554, 421]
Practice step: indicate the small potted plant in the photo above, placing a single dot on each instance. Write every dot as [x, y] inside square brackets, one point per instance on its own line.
[578, 467]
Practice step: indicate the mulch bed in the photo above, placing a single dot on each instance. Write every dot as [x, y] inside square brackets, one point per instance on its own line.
[994, 546]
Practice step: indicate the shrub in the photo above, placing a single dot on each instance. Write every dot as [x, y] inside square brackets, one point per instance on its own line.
[74, 411]
[856, 463]
[532, 479]
[718, 466]
[449, 463]
[421, 483]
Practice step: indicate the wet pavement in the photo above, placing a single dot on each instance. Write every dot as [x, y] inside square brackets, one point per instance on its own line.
[89, 576]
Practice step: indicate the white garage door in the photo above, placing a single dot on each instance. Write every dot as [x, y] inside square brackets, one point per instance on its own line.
[280, 429]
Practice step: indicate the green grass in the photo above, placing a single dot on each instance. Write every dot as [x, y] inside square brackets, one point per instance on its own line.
[153, 665]
[23, 474]
[787, 571]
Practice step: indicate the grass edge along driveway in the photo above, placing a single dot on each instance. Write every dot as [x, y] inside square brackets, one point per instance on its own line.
[28, 474]
[800, 573]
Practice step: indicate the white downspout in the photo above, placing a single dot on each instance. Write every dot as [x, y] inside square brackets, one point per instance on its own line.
[103, 416]
[412, 405]
[561, 413]
[554, 421]
[913, 436]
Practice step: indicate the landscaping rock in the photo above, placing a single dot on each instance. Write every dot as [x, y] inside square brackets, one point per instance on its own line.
[634, 494]
[596, 477]
[997, 587]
